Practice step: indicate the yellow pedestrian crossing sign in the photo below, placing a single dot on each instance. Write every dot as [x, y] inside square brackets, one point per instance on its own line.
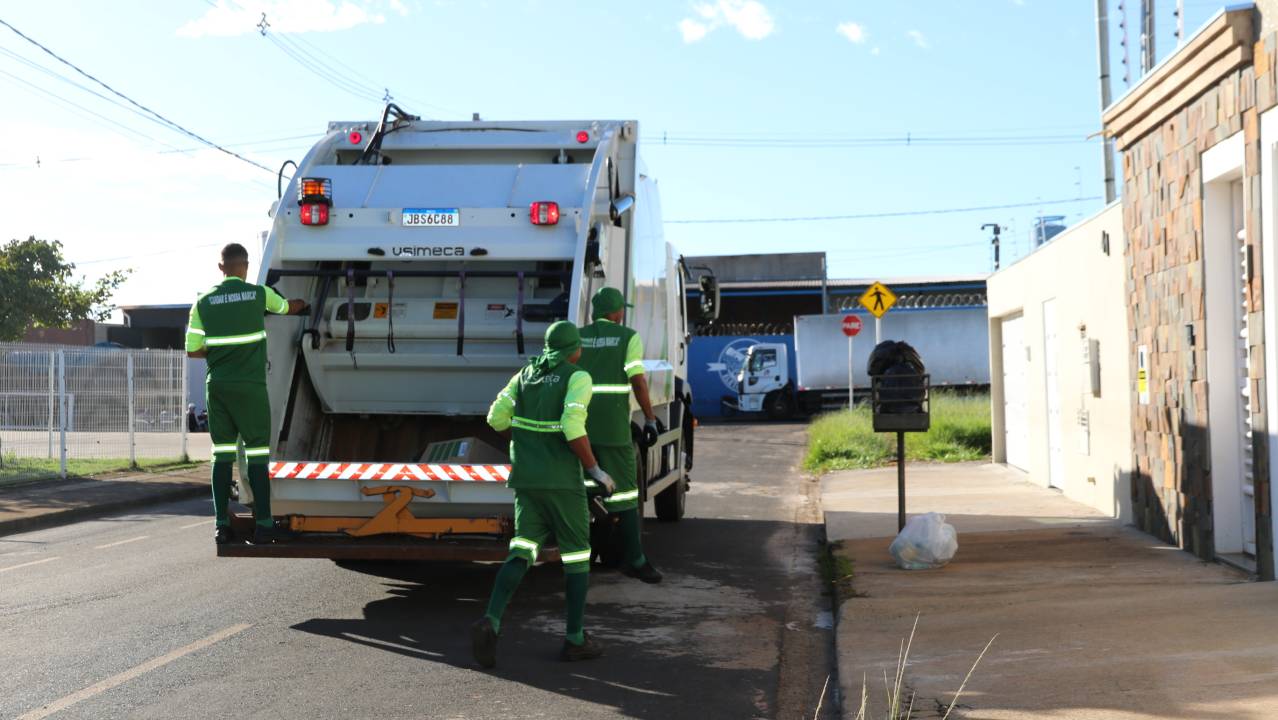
[878, 299]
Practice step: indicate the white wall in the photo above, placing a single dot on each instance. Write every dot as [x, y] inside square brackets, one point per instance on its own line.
[1091, 304]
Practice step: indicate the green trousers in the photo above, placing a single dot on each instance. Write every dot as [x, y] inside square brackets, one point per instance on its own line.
[619, 463]
[240, 411]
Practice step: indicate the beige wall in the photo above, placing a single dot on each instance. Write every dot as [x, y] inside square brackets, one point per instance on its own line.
[1089, 288]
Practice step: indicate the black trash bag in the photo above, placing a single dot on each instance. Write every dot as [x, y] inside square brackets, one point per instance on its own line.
[890, 353]
[899, 366]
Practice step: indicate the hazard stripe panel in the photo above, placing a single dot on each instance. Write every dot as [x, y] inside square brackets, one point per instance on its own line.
[412, 472]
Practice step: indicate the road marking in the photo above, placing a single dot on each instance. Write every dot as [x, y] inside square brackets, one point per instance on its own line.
[618, 685]
[121, 542]
[194, 525]
[127, 675]
[27, 564]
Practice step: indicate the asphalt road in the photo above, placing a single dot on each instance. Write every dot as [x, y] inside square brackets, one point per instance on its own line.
[133, 616]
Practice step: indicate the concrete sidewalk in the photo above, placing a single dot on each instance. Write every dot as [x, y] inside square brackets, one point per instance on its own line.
[1094, 620]
[33, 505]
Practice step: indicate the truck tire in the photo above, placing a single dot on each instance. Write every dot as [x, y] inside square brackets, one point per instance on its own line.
[670, 502]
[779, 405]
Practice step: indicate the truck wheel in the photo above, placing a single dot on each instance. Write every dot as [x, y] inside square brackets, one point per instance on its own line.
[670, 502]
[779, 405]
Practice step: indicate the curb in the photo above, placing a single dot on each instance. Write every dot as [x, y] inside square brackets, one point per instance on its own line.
[64, 517]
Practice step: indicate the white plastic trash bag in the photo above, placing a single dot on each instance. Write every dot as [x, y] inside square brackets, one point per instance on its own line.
[927, 542]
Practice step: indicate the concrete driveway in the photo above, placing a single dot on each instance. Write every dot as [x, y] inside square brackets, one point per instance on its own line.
[1093, 620]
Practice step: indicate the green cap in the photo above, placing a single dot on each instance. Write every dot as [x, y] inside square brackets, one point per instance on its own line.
[562, 337]
[608, 300]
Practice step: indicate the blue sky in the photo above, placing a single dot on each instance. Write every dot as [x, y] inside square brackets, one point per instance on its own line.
[765, 109]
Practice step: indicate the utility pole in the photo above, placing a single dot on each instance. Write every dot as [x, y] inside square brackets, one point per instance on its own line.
[1147, 36]
[1102, 49]
[1122, 42]
[994, 240]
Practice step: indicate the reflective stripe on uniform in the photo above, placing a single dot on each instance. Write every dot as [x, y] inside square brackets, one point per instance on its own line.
[236, 339]
[612, 389]
[536, 425]
[632, 364]
[256, 451]
[575, 557]
[622, 497]
[195, 331]
[523, 544]
[575, 404]
[591, 484]
[225, 448]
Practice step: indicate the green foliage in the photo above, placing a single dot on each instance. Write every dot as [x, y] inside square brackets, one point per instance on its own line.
[846, 440]
[38, 289]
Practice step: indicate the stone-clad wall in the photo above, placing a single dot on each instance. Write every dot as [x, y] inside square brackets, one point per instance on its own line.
[1163, 216]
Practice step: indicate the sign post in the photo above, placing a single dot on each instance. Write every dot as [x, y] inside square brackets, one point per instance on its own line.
[878, 299]
[851, 327]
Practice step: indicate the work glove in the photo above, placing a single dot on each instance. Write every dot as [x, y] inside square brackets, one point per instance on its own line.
[650, 433]
[597, 474]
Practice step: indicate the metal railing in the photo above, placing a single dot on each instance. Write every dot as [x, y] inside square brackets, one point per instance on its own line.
[89, 407]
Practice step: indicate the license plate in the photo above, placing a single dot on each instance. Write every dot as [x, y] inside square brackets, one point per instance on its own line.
[431, 217]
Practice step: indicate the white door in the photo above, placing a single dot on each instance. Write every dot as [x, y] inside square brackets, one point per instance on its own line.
[1243, 358]
[1016, 432]
[1051, 360]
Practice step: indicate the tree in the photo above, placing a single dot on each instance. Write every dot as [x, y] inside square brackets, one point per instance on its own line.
[37, 289]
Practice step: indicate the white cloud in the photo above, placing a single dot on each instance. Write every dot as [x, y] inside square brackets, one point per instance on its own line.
[748, 17]
[854, 32]
[227, 18]
[875, 51]
[918, 39]
[692, 30]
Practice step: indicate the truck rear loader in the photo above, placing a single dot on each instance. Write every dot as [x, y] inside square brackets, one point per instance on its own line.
[434, 255]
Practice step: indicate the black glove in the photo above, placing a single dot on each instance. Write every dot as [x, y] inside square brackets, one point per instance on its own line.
[650, 433]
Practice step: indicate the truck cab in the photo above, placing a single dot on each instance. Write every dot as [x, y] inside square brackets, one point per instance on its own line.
[764, 383]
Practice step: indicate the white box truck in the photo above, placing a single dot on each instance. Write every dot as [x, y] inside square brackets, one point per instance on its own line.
[434, 256]
[819, 380]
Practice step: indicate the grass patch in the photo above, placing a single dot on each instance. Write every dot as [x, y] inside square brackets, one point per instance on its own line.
[15, 469]
[846, 440]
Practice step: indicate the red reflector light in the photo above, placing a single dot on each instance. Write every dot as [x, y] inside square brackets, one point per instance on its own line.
[314, 214]
[544, 213]
[583, 136]
[355, 137]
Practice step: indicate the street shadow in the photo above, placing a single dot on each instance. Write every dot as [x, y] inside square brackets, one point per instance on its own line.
[703, 644]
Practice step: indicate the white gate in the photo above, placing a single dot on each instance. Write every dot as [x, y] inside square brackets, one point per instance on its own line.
[1015, 415]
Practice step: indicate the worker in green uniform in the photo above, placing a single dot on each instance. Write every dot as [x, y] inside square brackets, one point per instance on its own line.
[542, 411]
[613, 355]
[227, 328]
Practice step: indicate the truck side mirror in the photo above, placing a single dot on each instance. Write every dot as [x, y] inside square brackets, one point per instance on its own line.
[710, 305]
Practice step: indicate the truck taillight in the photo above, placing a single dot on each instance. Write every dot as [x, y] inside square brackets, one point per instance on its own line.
[544, 213]
[314, 197]
[583, 136]
[315, 190]
[314, 214]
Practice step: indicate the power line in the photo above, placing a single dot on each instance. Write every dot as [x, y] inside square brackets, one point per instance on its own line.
[868, 216]
[131, 101]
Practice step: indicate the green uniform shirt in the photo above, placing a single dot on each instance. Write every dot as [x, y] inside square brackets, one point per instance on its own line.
[228, 320]
[543, 412]
[612, 354]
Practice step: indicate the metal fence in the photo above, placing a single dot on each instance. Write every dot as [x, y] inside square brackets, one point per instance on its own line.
[93, 408]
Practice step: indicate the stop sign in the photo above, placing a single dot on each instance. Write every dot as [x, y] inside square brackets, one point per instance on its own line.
[851, 325]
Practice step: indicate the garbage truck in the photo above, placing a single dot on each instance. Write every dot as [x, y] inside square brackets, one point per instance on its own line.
[434, 255]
